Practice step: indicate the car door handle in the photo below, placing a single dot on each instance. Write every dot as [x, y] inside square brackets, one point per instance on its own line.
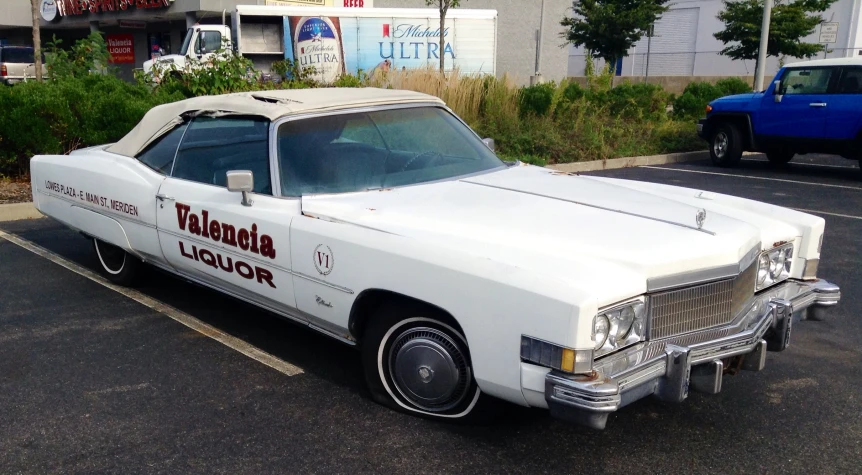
[817, 104]
[163, 197]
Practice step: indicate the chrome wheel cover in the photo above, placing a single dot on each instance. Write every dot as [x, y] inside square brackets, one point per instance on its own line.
[429, 369]
[720, 144]
[113, 258]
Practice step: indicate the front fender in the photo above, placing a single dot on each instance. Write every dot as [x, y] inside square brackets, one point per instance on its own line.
[494, 303]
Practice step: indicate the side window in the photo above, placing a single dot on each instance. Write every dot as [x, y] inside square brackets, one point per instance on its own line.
[806, 81]
[160, 154]
[851, 81]
[208, 42]
[213, 146]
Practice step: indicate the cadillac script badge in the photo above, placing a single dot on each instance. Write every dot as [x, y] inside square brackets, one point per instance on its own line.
[700, 218]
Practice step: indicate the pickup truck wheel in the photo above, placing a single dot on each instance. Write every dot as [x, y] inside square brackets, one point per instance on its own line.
[117, 265]
[725, 146]
[779, 157]
[416, 363]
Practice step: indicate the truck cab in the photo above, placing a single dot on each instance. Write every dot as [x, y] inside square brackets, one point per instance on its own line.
[201, 43]
[810, 107]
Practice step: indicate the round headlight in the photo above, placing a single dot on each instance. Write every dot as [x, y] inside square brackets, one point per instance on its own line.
[603, 326]
[624, 323]
[762, 269]
[776, 266]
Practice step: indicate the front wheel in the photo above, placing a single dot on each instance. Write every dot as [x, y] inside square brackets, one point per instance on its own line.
[117, 265]
[417, 363]
[725, 146]
[779, 157]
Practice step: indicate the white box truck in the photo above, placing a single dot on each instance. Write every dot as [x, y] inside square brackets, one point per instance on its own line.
[334, 41]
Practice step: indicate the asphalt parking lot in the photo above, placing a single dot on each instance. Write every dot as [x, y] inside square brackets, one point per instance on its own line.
[92, 381]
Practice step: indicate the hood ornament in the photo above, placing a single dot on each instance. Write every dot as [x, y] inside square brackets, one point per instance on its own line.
[700, 218]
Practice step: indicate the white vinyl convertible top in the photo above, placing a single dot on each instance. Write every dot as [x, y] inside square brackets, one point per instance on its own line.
[269, 104]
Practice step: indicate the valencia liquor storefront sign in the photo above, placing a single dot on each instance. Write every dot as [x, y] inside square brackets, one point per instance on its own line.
[80, 7]
[121, 47]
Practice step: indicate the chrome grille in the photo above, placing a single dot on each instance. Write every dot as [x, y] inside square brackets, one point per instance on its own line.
[689, 309]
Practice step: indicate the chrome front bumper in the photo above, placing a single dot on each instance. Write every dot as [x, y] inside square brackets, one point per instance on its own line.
[668, 368]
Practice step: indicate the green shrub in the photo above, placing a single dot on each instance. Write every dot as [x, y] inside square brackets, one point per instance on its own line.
[692, 103]
[66, 113]
[733, 85]
[537, 99]
[637, 101]
[573, 92]
[349, 80]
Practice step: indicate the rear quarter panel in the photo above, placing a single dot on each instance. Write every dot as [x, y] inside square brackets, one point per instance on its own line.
[104, 195]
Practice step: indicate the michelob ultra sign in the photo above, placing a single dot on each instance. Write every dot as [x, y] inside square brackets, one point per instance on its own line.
[334, 45]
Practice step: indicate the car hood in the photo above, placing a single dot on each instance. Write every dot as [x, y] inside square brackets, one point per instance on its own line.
[166, 59]
[734, 101]
[581, 230]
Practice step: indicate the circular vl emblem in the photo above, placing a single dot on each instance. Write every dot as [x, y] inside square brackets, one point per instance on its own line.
[323, 259]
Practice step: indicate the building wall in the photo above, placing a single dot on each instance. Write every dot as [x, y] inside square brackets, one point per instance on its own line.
[669, 56]
[518, 21]
[15, 13]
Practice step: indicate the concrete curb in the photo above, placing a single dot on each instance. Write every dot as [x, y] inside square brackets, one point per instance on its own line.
[627, 162]
[16, 211]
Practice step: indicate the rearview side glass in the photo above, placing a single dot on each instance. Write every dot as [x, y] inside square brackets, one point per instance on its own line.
[213, 146]
[851, 81]
[160, 154]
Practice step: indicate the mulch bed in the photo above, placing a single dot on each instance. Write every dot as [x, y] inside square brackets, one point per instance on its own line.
[15, 192]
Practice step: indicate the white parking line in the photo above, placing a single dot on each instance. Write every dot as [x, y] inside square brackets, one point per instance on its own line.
[178, 315]
[845, 187]
[814, 211]
[800, 163]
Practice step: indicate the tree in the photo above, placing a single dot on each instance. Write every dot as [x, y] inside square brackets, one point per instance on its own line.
[444, 6]
[609, 28]
[37, 40]
[791, 21]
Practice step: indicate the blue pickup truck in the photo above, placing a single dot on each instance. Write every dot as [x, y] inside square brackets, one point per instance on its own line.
[810, 107]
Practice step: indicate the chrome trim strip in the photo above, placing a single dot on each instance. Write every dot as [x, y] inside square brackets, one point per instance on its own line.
[109, 214]
[270, 308]
[258, 260]
[693, 228]
[221, 247]
[626, 376]
[750, 257]
[703, 276]
[322, 282]
[686, 279]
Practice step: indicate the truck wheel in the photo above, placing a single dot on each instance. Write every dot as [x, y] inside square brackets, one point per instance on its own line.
[779, 157]
[117, 265]
[416, 363]
[725, 146]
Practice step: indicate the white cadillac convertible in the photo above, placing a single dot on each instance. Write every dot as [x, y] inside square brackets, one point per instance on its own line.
[380, 219]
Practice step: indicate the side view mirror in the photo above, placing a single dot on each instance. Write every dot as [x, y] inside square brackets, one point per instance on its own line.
[777, 91]
[489, 142]
[242, 181]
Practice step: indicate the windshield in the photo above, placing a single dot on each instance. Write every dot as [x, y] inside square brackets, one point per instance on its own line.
[381, 149]
[186, 41]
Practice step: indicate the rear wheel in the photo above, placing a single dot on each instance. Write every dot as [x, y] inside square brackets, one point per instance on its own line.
[117, 265]
[725, 145]
[417, 363]
[779, 157]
